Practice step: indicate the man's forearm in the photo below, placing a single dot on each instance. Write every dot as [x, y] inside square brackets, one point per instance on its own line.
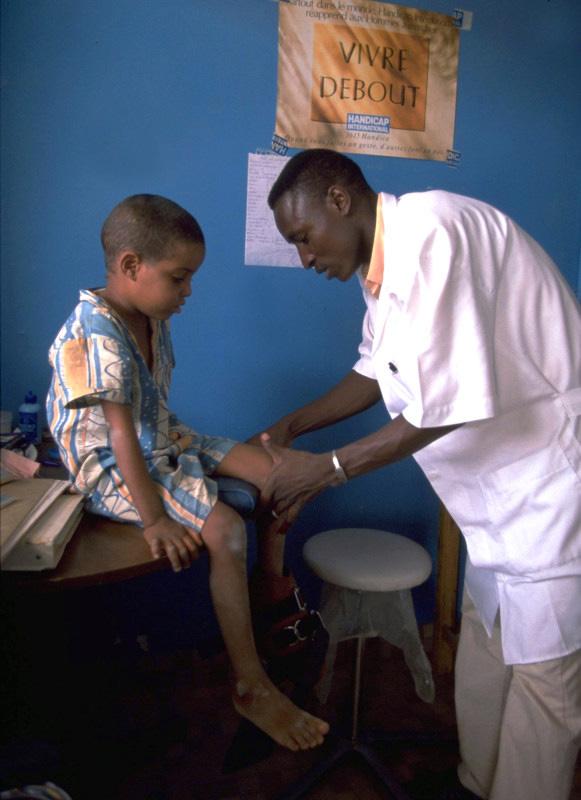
[395, 441]
[298, 476]
[352, 395]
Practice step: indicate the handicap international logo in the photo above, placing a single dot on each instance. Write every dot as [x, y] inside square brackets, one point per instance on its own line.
[368, 123]
[363, 73]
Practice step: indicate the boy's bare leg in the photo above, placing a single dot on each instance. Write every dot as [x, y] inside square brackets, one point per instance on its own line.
[270, 545]
[253, 464]
[255, 696]
[247, 462]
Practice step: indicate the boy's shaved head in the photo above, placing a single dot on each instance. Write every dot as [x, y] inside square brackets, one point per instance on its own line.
[148, 225]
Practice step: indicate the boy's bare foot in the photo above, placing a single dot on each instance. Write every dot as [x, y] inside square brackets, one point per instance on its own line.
[272, 711]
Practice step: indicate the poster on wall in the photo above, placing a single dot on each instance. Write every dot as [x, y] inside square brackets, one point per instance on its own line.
[366, 77]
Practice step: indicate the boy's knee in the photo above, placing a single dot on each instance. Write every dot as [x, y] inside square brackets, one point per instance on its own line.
[225, 529]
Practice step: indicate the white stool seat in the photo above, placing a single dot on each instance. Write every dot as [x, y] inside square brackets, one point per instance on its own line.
[367, 560]
[368, 576]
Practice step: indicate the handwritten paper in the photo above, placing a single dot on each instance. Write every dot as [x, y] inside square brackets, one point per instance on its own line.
[264, 245]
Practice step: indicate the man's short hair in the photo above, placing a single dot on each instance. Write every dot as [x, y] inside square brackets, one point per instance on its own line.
[314, 171]
[149, 225]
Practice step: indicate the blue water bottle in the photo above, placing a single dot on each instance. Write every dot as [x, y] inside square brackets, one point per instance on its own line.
[28, 418]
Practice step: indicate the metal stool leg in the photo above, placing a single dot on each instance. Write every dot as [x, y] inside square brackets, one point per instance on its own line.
[342, 746]
[357, 688]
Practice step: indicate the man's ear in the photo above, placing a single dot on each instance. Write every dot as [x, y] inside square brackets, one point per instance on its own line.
[339, 199]
[129, 264]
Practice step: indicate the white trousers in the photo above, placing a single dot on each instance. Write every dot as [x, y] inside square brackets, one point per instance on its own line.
[519, 726]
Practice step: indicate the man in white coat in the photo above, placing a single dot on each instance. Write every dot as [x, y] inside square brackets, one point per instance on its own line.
[472, 338]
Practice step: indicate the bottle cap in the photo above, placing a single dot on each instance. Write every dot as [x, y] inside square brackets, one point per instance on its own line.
[30, 398]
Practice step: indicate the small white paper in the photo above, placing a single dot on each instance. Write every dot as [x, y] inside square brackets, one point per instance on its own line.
[264, 245]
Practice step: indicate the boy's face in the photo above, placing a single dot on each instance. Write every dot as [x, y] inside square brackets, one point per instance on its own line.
[161, 287]
[322, 232]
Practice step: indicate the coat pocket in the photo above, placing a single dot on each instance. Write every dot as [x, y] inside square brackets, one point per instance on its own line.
[534, 505]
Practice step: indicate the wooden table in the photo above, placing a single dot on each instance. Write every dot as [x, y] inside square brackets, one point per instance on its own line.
[59, 661]
[101, 551]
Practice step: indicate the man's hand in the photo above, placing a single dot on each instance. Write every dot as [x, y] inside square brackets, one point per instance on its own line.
[296, 478]
[181, 545]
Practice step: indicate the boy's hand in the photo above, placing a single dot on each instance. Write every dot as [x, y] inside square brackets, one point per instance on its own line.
[181, 545]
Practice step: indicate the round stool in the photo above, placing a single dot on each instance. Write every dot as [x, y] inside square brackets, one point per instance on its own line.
[367, 578]
[367, 560]
[368, 575]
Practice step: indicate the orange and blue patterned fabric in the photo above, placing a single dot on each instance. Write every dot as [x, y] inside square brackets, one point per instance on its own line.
[95, 357]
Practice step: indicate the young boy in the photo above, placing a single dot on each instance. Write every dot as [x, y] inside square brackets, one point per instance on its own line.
[134, 461]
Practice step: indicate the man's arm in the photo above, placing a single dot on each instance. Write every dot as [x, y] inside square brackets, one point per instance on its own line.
[161, 533]
[299, 476]
[352, 395]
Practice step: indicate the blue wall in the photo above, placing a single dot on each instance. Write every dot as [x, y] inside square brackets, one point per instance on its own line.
[105, 99]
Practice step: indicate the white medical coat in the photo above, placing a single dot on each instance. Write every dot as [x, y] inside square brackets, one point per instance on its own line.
[476, 325]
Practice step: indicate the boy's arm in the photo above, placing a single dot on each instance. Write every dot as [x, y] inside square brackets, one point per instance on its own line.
[180, 544]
